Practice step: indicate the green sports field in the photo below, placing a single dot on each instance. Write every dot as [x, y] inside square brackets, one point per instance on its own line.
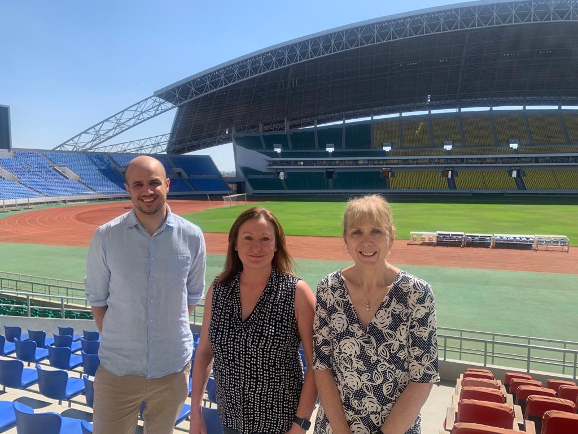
[324, 218]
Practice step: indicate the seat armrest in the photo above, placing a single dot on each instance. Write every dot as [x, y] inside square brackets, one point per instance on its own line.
[510, 400]
[530, 427]
[518, 414]
[450, 418]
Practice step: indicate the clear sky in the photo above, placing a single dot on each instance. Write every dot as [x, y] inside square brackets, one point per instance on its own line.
[66, 65]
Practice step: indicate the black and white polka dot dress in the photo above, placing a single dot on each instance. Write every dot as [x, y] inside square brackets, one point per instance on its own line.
[257, 365]
[373, 367]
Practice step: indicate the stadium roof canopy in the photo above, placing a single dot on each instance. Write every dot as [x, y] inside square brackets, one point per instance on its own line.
[483, 53]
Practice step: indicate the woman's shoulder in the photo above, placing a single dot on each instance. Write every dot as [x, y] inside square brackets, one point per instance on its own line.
[413, 284]
[330, 281]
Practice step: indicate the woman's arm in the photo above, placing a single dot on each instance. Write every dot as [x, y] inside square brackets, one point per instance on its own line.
[201, 370]
[406, 409]
[305, 312]
[331, 400]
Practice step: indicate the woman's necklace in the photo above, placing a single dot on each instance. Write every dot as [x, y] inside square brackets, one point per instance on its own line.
[368, 300]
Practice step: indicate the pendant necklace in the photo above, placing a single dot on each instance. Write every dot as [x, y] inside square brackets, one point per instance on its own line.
[368, 303]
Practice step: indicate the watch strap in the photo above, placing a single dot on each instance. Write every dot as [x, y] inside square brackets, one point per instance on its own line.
[303, 423]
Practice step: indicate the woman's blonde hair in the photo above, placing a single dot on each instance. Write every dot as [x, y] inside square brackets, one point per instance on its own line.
[372, 207]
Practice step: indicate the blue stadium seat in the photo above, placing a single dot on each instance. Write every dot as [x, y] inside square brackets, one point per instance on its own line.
[13, 374]
[28, 422]
[56, 384]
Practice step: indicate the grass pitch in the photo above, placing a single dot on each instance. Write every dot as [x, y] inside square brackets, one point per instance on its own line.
[324, 218]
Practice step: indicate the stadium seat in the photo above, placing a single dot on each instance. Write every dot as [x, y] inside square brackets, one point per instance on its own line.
[90, 335]
[559, 422]
[89, 347]
[62, 358]
[185, 413]
[212, 420]
[28, 422]
[56, 384]
[476, 374]
[524, 391]
[13, 374]
[483, 412]
[86, 427]
[478, 428]
[90, 363]
[12, 332]
[484, 371]
[480, 382]
[7, 416]
[68, 331]
[39, 336]
[482, 394]
[511, 375]
[88, 390]
[6, 347]
[66, 341]
[28, 352]
[568, 392]
[212, 390]
[517, 382]
[536, 406]
[555, 384]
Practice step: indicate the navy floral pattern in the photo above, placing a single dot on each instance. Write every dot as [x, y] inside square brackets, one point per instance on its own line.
[373, 367]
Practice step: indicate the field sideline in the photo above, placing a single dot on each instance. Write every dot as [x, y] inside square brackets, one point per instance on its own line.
[324, 218]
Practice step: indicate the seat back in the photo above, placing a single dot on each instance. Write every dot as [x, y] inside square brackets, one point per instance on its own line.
[555, 384]
[52, 384]
[486, 371]
[525, 391]
[27, 422]
[486, 413]
[90, 335]
[480, 382]
[88, 390]
[475, 374]
[212, 390]
[86, 427]
[66, 331]
[12, 332]
[212, 420]
[59, 357]
[11, 373]
[537, 405]
[2, 344]
[568, 392]
[476, 428]
[89, 347]
[511, 375]
[90, 363]
[559, 422]
[517, 382]
[25, 350]
[62, 340]
[482, 394]
[38, 336]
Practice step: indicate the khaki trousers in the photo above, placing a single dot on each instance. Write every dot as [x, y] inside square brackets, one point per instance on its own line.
[117, 401]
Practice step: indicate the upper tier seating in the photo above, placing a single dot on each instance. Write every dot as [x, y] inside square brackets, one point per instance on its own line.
[546, 128]
[478, 130]
[195, 165]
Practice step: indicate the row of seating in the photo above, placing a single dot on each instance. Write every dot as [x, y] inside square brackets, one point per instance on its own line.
[483, 405]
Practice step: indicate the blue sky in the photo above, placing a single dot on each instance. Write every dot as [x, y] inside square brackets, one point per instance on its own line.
[67, 65]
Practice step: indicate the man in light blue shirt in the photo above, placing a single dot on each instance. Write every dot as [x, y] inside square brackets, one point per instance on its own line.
[145, 272]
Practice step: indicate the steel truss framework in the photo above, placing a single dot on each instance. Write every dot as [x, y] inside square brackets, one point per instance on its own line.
[150, 145]
[205, 94]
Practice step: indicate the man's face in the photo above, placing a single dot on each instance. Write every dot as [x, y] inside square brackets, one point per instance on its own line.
[147, 187]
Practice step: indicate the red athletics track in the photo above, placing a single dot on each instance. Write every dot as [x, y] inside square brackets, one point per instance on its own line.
[74, 226]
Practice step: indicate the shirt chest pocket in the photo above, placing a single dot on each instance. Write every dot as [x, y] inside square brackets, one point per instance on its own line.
[178, 268]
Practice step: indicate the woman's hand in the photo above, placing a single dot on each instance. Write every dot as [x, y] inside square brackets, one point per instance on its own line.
[295, 429]
[197, 425]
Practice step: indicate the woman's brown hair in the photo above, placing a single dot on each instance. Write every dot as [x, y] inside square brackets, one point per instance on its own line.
[282, 260]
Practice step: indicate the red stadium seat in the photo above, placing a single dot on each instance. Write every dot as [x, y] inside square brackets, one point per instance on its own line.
[482, 394]
[480, 382]
[525, 391]
[475, 374]
[477, 428]
[517, 382]
[568, 392]
[536, 406]
[487, 413]
[485, 371]
[555, 384]
[510, 375]
[559, 422]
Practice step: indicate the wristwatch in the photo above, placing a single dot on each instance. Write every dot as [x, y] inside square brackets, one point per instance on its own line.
[303, 423]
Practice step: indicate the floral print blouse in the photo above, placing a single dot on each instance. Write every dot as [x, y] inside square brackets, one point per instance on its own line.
[373, 367]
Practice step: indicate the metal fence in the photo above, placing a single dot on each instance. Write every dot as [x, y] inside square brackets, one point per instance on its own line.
[59, 299]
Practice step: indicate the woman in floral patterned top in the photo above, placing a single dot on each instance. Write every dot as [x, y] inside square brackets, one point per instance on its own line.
[375, 344]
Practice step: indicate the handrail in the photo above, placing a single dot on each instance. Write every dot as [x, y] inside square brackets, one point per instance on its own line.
[509, 335]
[30, 295]
[30, 278]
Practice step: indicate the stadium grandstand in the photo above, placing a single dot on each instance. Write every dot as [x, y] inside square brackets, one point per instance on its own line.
[477, 98]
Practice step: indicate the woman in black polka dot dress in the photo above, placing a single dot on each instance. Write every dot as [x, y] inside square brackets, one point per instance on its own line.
[375, 345]
[256, 315]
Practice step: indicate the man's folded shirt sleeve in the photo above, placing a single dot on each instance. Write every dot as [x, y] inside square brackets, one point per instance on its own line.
[97, 276]
[196, 277]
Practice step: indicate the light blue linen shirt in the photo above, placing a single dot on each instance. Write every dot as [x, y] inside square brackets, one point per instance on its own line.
[147, 283]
